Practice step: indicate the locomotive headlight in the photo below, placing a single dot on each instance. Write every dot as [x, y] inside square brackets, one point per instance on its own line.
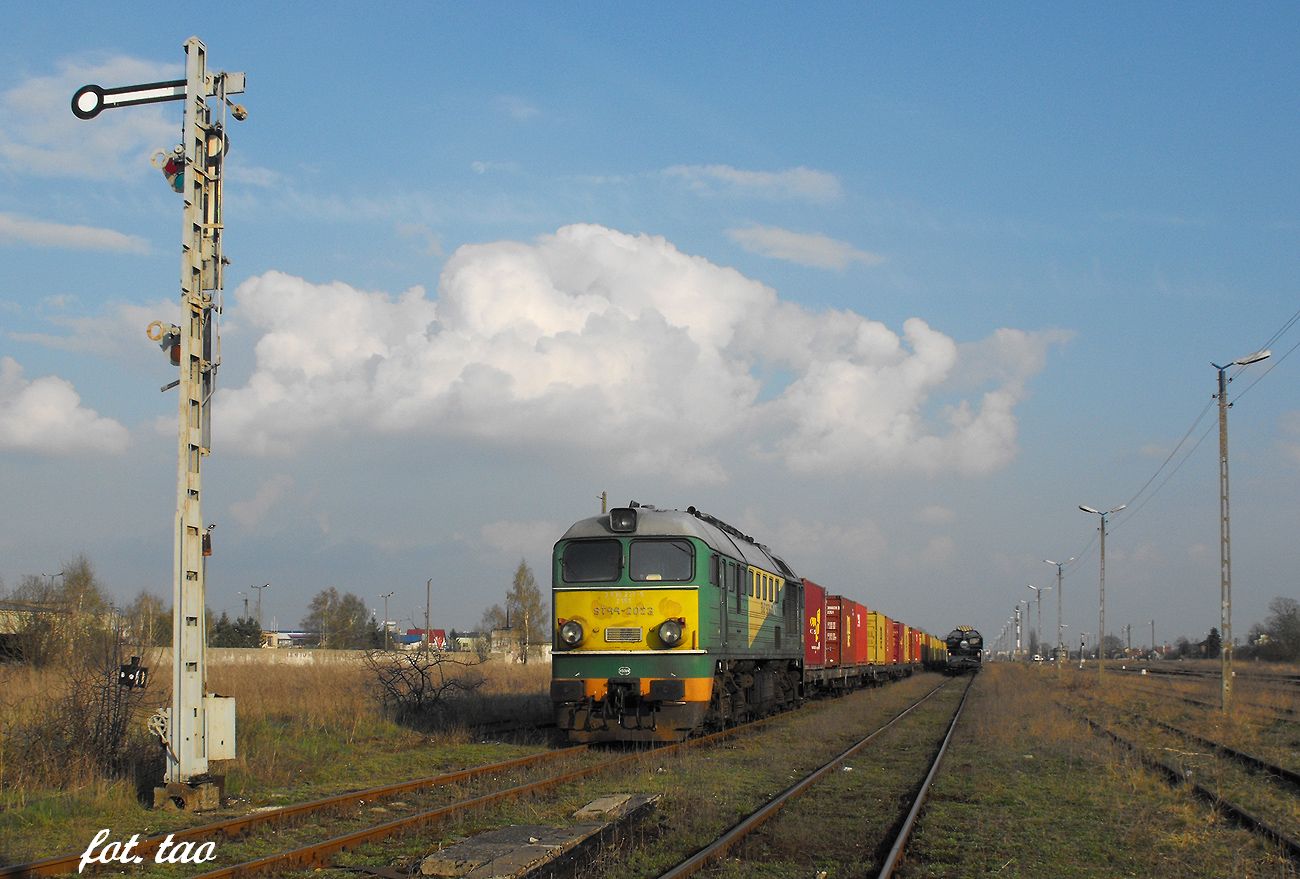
[622, 520]
[670, 632]
[571, 633]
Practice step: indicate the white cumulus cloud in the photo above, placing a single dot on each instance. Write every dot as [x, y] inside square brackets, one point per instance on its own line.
[25, 230]
[801, 184]
[805, 248]
[45, 415]
[253, 512]
[604, 345]
[41, 136]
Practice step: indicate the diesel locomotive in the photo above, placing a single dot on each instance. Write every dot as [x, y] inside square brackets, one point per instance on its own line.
[965, 650]
[671, 621]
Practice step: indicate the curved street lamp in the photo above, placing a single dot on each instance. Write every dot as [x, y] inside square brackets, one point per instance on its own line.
[1060, 643]
[1225, 541]
[1101, 613]
[1038, 594]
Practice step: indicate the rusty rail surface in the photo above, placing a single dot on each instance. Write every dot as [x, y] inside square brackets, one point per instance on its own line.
[1229, 809]
[895, 855]
[319, 854]
[723, 844]
[233, 828]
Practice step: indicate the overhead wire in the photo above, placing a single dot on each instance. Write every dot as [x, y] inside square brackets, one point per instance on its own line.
[1133, 507]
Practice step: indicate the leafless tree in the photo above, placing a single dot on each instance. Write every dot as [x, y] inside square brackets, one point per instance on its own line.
[416, 686]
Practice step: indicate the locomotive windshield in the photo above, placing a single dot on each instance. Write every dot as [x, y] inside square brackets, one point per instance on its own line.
[592, 561]
[654, 560]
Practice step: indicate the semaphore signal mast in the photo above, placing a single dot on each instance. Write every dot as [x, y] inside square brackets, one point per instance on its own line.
[198, 726]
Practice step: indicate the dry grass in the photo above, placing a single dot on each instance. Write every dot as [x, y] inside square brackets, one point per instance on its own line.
[301, 730]
[1029, 791]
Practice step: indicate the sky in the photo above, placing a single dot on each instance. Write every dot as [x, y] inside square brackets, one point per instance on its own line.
[892, 288]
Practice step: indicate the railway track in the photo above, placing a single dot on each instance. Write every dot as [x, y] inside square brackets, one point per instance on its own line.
[319, 853]
[1280, 713]
[243, 825]
[1286, 839]
[734, 836]
[1255, 793]
[1274, 679]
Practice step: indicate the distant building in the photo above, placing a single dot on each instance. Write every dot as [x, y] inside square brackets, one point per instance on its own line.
[283, 640]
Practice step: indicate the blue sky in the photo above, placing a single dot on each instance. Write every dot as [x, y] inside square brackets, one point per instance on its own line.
[892, 288]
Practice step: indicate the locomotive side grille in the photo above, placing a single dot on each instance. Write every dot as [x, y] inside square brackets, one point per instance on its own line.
[623, 634]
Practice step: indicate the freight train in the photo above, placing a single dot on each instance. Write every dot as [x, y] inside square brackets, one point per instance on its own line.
[965, 650]
[668, 621]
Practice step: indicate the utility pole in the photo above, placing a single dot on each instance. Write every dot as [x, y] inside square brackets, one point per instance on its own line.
[604, 502]
[198, 726]
[1225, 540]
[1038, 593]
[259, 603]
[1153, 637]
[386, 596]
[428, 601]
[1101, 613]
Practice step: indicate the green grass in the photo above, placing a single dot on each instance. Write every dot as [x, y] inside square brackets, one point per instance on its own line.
[1028, 791]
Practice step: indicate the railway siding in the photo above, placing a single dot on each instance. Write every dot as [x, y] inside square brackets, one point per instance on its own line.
[1029, 790]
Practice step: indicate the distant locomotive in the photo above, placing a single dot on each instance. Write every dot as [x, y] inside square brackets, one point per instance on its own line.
[965, 650]
[670, 621]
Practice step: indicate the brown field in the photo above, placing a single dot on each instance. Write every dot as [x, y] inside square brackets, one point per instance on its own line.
[302, 730]
[1028, 789]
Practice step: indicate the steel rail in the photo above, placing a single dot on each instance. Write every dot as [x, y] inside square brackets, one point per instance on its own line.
[1271, 678]
[319, 854]
[231, 828]
[1175, 777]
[905, 832]
[1279, 713]
[1249, 760]
[723, 844]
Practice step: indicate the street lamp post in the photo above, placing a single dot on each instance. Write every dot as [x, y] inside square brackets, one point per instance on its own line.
[1225, 542]
[259, 602]
[1038, 593]
[1101, 613]
[1060, 644]
[386, 596]
[1015, 657]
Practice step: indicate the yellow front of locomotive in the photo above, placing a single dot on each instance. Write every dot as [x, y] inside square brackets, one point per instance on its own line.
[628, 662]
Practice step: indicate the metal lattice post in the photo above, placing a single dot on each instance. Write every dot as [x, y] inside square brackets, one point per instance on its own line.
[185, 726]
[187, 754]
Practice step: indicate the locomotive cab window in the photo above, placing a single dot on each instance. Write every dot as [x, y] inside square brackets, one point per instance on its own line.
[592, 561]
[668, 560]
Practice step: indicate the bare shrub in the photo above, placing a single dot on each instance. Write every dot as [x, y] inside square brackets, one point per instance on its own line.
[86, 725]
[418, 687]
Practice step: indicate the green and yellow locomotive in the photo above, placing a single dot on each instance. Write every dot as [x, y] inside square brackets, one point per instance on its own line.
[667, 621]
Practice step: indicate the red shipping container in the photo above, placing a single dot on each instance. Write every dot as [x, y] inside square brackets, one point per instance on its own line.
[814, 625]
[857, 623]
[834, 603]
[848, 645]
[917, 636]
[897, 652]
